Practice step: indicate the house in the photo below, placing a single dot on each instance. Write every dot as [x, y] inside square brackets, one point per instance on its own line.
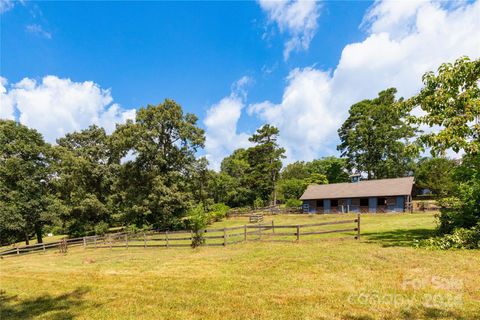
[383, 195]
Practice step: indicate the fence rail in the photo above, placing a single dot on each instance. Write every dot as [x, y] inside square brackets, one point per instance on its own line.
[212, 237]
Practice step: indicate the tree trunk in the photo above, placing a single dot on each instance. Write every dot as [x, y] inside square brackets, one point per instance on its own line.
[38, 232]
[27, 241]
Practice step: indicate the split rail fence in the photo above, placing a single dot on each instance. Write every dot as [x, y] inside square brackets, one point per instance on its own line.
[212, 237]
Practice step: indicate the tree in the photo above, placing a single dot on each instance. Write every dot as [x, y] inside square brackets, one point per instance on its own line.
[291, 188]
[153, 188]
[295, 170]
[375, 137]
[24, 179]
[436, 174]
[450, 100]
[265, 162]
[334, 169]
[84, 179]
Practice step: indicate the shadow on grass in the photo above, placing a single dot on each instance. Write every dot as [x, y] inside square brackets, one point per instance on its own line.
[399, 237]
[11, 307]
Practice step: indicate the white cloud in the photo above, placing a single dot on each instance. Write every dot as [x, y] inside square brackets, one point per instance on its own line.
[38, 30]
[221, 125]
[6, 5]
[297, 19]
[404, 40]
[304, 115]
[56, 106]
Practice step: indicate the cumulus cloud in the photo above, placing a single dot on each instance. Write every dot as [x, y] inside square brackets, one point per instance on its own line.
[221, 125]
[403, 41]
[304, 116]
[56, 106]
[297, 19]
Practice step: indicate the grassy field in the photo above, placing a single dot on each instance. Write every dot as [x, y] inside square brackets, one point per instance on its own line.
[380, 277]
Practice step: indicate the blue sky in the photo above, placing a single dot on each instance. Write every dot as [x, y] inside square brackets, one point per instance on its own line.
[227, 62]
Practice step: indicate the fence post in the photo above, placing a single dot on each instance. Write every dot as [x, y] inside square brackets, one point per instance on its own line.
[166, 238]
[273, 227]
[18, 251]
[224, 237]
[358, 226]
[144, 240]
[43, 246]
[95, 241]
[84, 242]
[245, 232]
[298, 233]
[126, 240]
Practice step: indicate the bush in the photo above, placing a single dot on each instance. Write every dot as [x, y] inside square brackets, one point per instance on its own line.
[217, 212]
[258, 203]
[461, 238]
[101, 228]
[293, 203]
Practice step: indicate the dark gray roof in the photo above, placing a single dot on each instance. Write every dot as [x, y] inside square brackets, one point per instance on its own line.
[368, 188]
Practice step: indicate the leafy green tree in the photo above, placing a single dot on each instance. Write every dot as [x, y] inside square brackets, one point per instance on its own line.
[375, 138]
[317, 178]
[265, 160]
[84, 179]
[451, 100]
[462, 210]
[291, 188]
[24, 182]
[295, 170]
[334, 169]
[153, 188]
[436, 174]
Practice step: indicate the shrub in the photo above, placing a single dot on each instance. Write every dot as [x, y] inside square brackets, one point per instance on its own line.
[293, 203]
[258, 203]
[101, 228]
[460, 238]
[218, 211]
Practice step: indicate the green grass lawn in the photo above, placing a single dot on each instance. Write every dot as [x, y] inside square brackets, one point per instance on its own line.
[380, 277]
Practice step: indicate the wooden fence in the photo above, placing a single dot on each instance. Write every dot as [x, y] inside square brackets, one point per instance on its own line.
[273, 210]
[212, 237]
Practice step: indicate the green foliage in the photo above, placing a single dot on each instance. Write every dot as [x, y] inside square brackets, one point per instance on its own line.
[265, 162]
[375, 137]
[296, 170]
[334, 169]
[451, 100]
[218, 211]
[291, 188]
[101, 228]
[317, 178]
[463, 209]
[155, 187]
[293, 203]
[24, 182]
[258, 203]
[460, 238]
[436, 174]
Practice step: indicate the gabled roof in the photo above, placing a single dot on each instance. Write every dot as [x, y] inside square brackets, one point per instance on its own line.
[368, 188]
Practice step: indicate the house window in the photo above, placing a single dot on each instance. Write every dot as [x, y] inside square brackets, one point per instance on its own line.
[364, 202]
[334, 203]
[381, 201]
[319, 203]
